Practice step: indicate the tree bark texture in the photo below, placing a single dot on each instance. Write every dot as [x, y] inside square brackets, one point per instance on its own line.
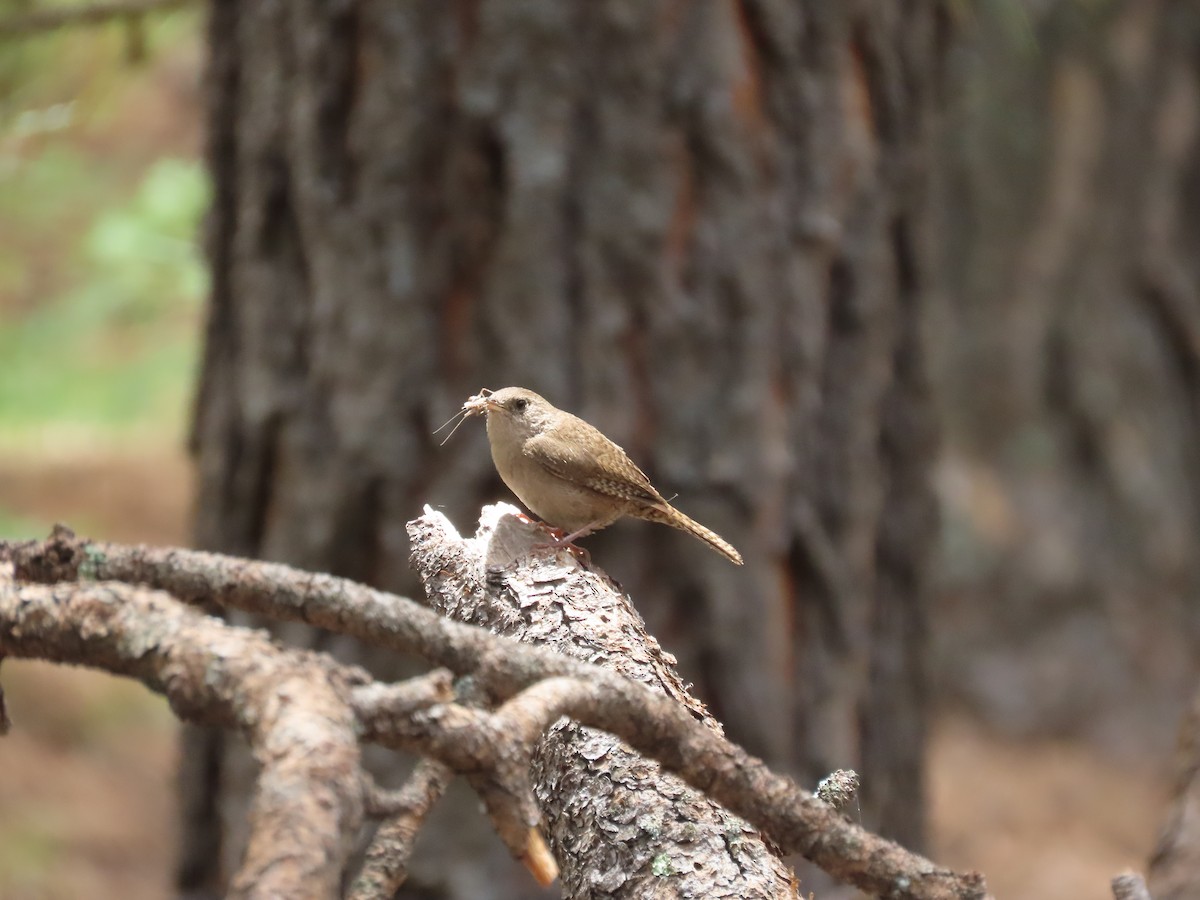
[1068, 329]
[621, 826]
[702, 226]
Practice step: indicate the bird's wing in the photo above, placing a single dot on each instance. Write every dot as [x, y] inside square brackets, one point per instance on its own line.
[610, 471]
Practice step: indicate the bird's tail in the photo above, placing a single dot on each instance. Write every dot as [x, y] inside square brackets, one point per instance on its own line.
[671, 516]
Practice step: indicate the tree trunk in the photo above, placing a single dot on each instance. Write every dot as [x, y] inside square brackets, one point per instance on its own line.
[702, 226]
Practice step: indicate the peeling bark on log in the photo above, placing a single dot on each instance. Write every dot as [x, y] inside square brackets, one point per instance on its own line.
[617, 823]
[551, 600]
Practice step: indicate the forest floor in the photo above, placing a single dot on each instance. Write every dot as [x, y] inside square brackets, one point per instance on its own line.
[87, 804]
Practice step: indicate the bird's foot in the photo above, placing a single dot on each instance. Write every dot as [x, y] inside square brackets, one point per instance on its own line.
[580, 554]
[560, 540]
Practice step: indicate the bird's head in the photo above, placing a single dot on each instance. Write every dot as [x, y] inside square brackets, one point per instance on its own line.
[512, 411]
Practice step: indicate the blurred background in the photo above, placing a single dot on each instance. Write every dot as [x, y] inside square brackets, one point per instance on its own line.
[1033, 167]
[102, 284]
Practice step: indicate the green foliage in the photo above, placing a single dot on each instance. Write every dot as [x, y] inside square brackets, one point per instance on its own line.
[27, 851]
[100, 276]
[84, 63]
[17, 527]
[142, 257]
[117, 351]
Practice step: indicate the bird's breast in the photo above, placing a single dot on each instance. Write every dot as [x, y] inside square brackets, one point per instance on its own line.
[552, 499]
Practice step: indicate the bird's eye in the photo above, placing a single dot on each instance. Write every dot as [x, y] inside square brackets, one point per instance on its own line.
[520, 403]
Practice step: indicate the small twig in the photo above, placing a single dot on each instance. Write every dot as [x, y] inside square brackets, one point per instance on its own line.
[386, 865]
[538, 859]
[400, 701]
[525, 718]
[471, 741]
[43, 20]
[493, 755]
[382, 803]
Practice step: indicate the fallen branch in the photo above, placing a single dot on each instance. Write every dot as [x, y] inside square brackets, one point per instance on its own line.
[386, 865]
[290, 705]
[303, 715]
[495, 580]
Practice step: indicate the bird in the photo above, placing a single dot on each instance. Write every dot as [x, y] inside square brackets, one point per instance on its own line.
[568, 473]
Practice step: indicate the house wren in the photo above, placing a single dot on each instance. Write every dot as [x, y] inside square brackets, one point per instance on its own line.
[568, 473]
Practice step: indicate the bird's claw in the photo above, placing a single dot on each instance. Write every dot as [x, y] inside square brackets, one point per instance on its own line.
[558, 542]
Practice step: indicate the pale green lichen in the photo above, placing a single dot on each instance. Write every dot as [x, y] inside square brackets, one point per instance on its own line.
[650, 824]
[735, 839]
[93, 559]
[661, 866]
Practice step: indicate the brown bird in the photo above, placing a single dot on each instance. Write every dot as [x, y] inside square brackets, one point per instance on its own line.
[568, 473]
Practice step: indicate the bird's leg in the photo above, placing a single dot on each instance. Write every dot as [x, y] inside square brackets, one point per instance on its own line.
[581, 532]
[559, 543]
[564, 541]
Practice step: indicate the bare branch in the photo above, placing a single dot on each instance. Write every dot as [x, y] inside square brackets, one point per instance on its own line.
[286, 594]
[485, 583]
[43, 20]
[400, 701]
[386, 864]
[299, 710]
[495, 761]
[290, 705]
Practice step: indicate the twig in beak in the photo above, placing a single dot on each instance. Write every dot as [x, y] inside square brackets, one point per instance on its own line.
[474, 406]
[449, 420]
[463, 413]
